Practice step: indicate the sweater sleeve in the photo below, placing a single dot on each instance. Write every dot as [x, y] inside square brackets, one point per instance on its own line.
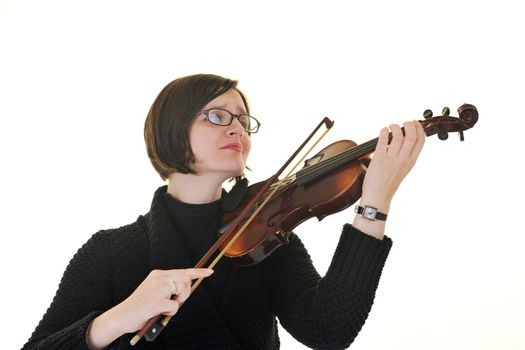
[328, 312]
[84, 293]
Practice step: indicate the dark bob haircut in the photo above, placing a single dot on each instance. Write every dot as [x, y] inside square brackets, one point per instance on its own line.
[166, 130]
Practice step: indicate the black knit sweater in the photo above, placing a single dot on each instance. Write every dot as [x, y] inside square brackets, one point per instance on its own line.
[235, 308]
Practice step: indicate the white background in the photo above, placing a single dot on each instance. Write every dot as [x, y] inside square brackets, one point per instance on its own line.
[77, 79]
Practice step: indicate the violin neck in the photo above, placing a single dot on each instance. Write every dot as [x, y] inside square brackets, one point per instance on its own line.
[367, 147]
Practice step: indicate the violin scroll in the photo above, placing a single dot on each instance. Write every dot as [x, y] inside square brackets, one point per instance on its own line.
[444, 124]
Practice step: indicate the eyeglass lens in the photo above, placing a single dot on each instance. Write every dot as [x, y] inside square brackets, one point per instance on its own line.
[224, 117]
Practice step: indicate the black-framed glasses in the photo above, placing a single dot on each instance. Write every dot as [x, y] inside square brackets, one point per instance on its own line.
[223, 117]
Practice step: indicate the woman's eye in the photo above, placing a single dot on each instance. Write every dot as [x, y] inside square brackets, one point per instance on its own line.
[214, 118]
[245, 122]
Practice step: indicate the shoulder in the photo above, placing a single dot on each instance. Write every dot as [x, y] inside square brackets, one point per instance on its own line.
[126, 238]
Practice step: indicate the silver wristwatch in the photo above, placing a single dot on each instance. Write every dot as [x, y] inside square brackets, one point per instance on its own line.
[370, 213]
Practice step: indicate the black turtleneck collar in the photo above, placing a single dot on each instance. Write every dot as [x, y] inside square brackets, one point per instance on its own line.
[181, 210]
[193, 222]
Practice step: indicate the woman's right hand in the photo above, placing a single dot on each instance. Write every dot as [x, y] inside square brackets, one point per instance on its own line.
[151, 298]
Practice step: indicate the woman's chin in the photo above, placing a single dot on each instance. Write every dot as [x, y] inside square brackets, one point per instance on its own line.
[228, 173]
[236, 171]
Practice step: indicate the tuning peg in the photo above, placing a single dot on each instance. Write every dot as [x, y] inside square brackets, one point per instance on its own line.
[442, 134]
[446, 112]
[427, 114]
[461, 137]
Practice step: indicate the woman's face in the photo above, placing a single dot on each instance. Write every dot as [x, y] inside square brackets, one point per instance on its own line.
[208, 141]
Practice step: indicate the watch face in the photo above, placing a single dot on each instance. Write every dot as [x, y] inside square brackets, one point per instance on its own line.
[370, 213]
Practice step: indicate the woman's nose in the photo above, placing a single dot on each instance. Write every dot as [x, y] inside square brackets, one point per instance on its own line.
[235, 127]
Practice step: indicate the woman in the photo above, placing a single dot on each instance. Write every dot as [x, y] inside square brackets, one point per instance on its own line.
[198, 135]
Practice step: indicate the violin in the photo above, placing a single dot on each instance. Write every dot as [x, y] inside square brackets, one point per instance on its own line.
[262, 216]
[329, 182]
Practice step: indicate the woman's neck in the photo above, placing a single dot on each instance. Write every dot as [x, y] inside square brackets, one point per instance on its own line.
[194, 189]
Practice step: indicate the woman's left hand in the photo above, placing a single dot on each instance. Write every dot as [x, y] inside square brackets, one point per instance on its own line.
[391, 163]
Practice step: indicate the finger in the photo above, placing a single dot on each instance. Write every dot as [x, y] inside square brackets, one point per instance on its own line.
[192, 273]
[382, 142]
[180, 299]
[409, 140]
[184, 290]
[173, 286]
[183, 296]
[170, 307]
[198, 273]
[421, 137]
[397, 140]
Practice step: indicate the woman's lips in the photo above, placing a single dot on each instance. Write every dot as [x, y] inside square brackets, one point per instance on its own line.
[233, 146]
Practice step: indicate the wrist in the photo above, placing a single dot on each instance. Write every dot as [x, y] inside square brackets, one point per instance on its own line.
[375, 228]
[381, 204]
[103, 330]
[372, 228]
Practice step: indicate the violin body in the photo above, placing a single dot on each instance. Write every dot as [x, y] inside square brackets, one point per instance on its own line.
[296, 203]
